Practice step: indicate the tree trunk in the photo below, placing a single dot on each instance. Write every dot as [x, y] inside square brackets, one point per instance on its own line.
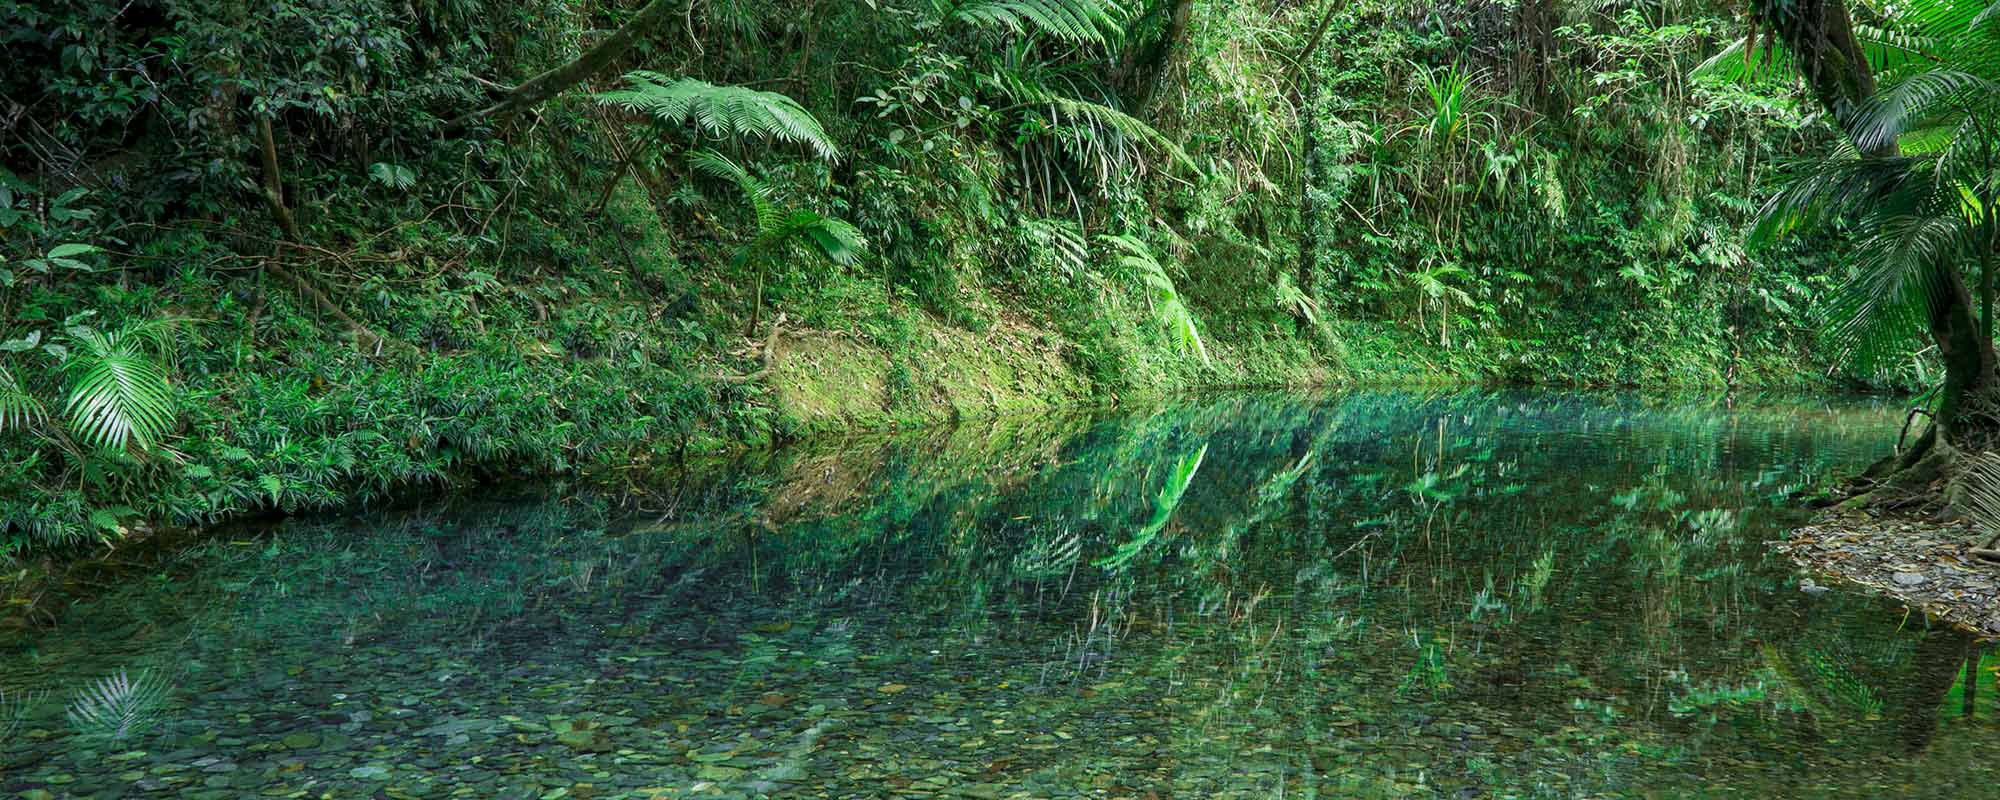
[1820, 36]
[1934, 668]
[548, 84]
[1139, 72]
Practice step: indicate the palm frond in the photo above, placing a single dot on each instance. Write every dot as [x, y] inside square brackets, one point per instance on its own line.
[1095, 22]
[1982, 492]
[1901, 267]
[1833, 189]
[1893, 111]
[721, 112]
[13, 711]
[117, 706]
[18, 409]
[1991, 14]
[118, 397]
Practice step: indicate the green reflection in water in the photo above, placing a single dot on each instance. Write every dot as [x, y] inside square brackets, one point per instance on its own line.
[1490, 594]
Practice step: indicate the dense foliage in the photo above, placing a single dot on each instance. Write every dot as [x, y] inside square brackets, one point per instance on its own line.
[383, 270]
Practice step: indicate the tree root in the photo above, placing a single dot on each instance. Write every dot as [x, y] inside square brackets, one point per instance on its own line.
[274, 197]
[1906, 481]
[768, 358]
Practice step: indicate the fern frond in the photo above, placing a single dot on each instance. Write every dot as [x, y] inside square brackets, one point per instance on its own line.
[1165, 300]
[1085, 118]
[755, 192]
[1094, 22]
[721, 112]
[833, 239]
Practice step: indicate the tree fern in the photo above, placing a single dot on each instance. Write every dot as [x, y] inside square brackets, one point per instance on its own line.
[1096, 22]
[778, 228]
[721, 111]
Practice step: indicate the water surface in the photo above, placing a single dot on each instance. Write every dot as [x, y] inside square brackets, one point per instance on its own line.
[1378, 594]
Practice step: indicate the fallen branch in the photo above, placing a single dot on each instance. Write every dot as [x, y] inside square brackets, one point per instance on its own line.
[551, 83]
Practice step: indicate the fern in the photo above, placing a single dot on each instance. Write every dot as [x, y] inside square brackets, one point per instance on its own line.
[1164, 504]
[833, 239]
[1094, 22]
[1086, 127]
[721, 112]
[1168, 308]
[118, 707]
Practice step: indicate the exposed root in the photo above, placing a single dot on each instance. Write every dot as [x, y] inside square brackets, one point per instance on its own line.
[768, 358]
[1916, 480]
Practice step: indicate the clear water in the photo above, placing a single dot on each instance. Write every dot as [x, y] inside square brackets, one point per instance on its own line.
[1384, 594]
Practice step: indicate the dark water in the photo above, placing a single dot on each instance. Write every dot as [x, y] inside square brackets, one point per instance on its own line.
[1362, 595]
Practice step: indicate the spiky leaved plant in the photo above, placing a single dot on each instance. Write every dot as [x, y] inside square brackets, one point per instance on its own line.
[118, 707]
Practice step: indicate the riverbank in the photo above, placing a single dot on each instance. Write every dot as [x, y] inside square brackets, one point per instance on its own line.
[278, 416]
[1924, 564]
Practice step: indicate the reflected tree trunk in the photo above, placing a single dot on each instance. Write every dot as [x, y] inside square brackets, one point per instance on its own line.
[1934, 668]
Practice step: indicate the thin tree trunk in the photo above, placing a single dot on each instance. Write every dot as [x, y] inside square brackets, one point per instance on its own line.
[1312, 44]
[1139, 71]
[274, 198]
[650, 19]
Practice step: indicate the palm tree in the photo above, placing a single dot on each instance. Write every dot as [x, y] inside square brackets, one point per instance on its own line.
[778, 229]
[1917, 185]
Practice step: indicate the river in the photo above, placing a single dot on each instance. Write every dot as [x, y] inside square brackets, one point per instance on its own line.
[1360, 594]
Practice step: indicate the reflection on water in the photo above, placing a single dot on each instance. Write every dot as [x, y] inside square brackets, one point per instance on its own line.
[1362, 595]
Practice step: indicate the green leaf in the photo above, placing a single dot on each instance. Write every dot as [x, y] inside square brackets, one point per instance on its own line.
[272, 485]
[118, 398]
[721, 111]
[18, 409]
[73, 249]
